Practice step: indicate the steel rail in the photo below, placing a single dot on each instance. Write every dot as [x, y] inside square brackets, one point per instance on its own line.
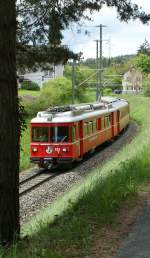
[36, 184]
[30, 178]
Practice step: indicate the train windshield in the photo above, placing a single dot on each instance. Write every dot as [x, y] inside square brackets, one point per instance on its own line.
[59, 134]
[40, 134]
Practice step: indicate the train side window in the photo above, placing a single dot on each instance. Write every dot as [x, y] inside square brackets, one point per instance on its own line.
[73, 133]
[90, 127]
[117, 116]
[109, 120]
[106, 121]
[86, 131]
[121, 114]
[94, 126]
[78, 130]
[102, 122]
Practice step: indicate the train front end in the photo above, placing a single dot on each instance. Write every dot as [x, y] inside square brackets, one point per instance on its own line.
[53, 141]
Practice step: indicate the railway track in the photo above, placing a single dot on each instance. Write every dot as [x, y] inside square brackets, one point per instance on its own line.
[30, 178]
[29, 184]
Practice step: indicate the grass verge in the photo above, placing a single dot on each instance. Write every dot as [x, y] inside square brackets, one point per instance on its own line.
[65, 228]
[29, 92]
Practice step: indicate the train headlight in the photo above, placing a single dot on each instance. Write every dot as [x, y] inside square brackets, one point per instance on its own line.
[65, 149]
[34, 149]
[49, 149]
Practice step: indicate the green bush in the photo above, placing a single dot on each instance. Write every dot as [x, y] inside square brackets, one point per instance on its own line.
[28, 85]
[56, 92]
[59, 92]
[107, 91]
[142, 61]
[147, 86]
[31, 108]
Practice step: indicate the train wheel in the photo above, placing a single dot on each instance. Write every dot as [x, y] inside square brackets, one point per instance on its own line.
[47, 166]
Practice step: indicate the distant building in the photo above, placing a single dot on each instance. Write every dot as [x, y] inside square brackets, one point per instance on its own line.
[41, 77]
[132, 80]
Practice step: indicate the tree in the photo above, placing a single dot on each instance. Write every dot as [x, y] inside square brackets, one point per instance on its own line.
[9, 126]
[42, 22]
[32, 26]
[143, 62]
[83, 77]
[144, 48]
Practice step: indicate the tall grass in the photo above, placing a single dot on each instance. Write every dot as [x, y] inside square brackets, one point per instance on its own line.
[25, 148]
[64, 229]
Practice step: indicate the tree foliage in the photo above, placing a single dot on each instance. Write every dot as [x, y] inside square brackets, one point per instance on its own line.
[41, 23]
[144, 48]
[48, 93]
[82, 73]
[108, 62]
[29, 57]
[142, 61]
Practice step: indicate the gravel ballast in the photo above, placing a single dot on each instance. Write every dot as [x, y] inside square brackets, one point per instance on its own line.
[45, 194]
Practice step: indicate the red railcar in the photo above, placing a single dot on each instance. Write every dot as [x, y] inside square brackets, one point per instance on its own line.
[64, 134]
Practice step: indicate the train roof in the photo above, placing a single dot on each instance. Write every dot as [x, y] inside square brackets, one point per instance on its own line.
[78, 112]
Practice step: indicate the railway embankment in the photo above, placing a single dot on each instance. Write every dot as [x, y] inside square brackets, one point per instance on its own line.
[80, 223]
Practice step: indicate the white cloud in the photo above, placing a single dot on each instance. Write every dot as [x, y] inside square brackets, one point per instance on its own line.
[125, 38]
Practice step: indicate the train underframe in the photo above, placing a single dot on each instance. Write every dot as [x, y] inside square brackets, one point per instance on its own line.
[48, 163]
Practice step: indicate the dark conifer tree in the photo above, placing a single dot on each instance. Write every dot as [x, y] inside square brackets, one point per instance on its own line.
[144, 48]
[43, 22]
[9, 125]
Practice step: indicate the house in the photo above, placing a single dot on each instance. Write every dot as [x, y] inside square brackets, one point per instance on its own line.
[41, 76]
[132, 80]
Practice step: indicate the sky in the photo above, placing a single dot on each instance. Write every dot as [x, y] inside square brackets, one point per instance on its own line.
[119, 38]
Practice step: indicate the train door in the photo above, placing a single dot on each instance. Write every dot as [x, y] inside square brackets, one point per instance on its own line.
[118, 121]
